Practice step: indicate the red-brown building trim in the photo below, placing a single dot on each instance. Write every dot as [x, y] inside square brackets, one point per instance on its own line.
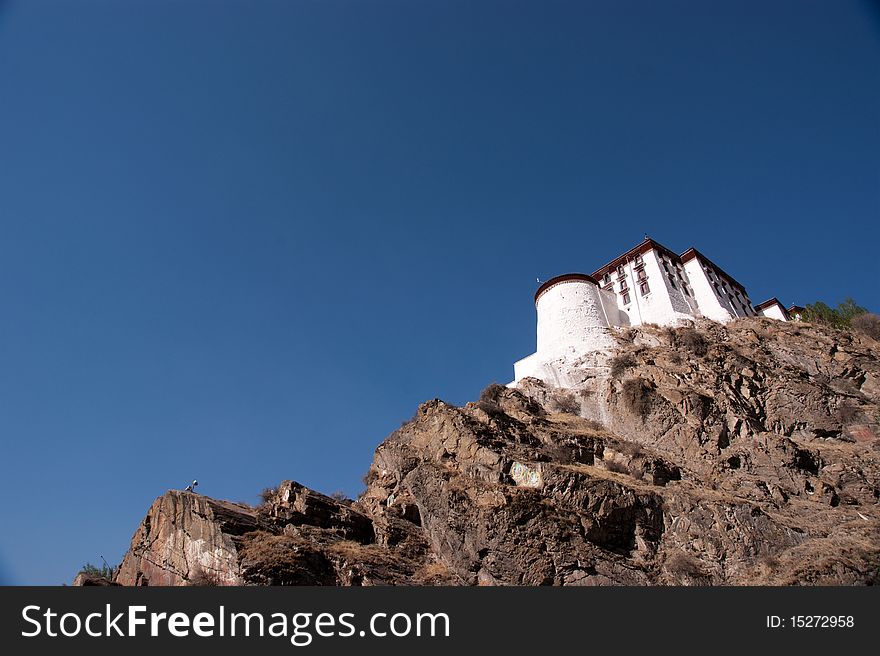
[640, 249]
[565, 277]
[768, 303]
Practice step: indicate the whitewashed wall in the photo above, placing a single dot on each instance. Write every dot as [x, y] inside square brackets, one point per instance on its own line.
[774, 311]
[684, 305]
[708, 301]
[615, 316]
[664, 304]
[571, 319]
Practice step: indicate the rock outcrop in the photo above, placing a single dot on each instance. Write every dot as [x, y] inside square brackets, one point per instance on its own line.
[708, 455]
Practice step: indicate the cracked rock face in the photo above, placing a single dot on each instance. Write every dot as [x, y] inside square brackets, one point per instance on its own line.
[710, 455]
[186, 538]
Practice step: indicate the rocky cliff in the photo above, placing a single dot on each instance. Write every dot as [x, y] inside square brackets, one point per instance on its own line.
[709, 455]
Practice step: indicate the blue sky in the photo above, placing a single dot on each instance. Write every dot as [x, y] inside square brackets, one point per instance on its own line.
[241, 241]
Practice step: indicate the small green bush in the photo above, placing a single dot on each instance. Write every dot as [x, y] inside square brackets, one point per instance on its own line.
[102, 572]
[840, 317]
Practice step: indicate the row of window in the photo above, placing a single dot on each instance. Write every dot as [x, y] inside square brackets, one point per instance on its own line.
[679, 273]
[674, 272]
[737, 300]
[621, 270]
[641, 279]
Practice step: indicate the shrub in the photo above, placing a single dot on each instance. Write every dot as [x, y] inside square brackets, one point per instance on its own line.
[268, 494]
[621, 363]
[684, 565]
[102, 572]
[840, 317]
[340, 496]
[692, 340]
[628, 335]
[566, 402]
[492, 392]
[868, 324]
[201, 578]
[488, 402]
[638, 395]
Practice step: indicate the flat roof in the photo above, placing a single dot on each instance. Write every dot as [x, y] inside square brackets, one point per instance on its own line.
[565, 277]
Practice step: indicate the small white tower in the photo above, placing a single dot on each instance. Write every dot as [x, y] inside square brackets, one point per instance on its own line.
[573, 320]
[571, 316]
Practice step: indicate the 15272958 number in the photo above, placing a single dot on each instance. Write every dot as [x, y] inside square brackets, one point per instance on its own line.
[811, 622]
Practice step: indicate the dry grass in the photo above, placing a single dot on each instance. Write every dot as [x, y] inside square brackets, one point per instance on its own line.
[436, 573]
[682, 565]
[203, 578]
[565, 402]
[867, 324]
[283, 560]
[489, 401]
[691, 340]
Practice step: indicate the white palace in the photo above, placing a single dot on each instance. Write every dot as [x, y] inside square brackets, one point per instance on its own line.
[647, 284]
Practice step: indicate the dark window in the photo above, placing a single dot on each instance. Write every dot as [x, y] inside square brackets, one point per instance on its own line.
[623, 285]
[620, 271]
[626, 298]
[644, 288]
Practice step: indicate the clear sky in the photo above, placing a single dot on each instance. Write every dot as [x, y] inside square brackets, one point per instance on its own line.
[241, 241]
